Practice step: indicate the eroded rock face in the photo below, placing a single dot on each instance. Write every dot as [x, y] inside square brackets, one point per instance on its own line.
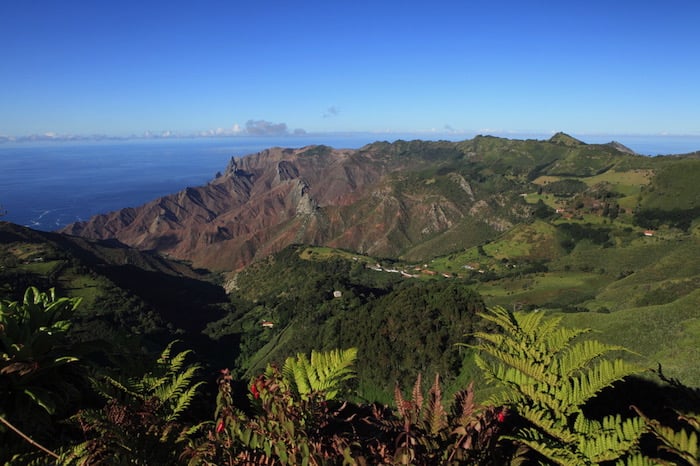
[268, 200]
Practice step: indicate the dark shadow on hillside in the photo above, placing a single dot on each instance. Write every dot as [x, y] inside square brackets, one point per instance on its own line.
[654, 397]
[181, 300]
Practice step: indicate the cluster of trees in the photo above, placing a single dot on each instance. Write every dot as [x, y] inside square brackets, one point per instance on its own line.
[557, 399]
[676, 218]
[402, 326]
[565, 188]
[571, 233]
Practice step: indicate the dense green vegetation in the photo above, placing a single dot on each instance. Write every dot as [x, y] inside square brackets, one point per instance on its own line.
[401, 328]
[589, 238]
[549, 405]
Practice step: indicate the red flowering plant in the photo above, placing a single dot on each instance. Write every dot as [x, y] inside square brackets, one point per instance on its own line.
[426, 432]
[286, 425]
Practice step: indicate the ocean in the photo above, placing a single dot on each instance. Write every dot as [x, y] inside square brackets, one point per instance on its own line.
[48, 185]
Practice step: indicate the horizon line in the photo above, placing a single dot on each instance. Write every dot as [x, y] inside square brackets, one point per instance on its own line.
[170, 135]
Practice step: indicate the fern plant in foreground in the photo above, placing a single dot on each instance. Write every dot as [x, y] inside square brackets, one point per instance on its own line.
[547, 375]
[140, 423]
[41, 376]
[322, 374]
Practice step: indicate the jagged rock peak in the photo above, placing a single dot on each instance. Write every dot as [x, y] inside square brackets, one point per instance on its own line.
[565, 140]
[305, 204]
[232, 166]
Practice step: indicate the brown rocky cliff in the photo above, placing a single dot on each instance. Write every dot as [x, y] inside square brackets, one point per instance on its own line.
[268, 200]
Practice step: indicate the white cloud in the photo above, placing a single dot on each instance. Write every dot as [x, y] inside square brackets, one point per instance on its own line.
[253, 128]
[265, 128]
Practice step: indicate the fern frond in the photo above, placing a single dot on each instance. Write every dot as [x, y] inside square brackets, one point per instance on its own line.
[165, 354]
[464, 405]
[560, 338]
[176, 363]
[183, 401]
[683, 443]
[548, 448]
[496, 339]
[124, 389]
[77, 454]
[435, 413]
[323, 373]
[638, 459]
[581, 353]
[501, 317]
[175, 384]
[417, 393]
[553, 426]
[523, 363]
[609, 440]
[594, 379]
[547, 377]
[401, 405]
[296, 372]
[534, 323]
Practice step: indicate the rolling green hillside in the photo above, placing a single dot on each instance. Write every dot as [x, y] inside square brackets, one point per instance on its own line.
[584, 251]
[126, 294]
[643, 296]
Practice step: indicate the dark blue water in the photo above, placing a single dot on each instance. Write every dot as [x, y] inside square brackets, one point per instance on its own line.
[49, 185]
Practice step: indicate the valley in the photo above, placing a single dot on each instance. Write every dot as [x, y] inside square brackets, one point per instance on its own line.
[410, 256]
[592, 232]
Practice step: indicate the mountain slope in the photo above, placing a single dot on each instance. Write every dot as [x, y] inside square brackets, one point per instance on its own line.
[410, 199]
[122, 287]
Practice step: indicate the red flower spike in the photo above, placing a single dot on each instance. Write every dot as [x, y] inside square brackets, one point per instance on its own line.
[254, 391]
[220, 427]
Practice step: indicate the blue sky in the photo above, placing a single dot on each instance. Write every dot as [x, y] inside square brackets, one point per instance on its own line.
[128, 68]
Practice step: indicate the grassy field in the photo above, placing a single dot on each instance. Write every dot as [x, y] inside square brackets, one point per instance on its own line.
[666, 334]
[323, 253]
[83, 286]
[528, 241]
[544, 290]
[675, 186]
[626, 183]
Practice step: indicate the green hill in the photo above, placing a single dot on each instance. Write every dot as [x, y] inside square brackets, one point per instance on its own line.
[126, 293]
[607, 238]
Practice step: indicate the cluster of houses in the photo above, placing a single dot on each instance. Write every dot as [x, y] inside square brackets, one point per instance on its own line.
[418, 269]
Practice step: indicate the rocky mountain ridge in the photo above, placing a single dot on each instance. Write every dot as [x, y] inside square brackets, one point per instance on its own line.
[407, 198]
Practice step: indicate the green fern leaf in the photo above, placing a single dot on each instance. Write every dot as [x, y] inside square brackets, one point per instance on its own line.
[323, 373]
[547, 376]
